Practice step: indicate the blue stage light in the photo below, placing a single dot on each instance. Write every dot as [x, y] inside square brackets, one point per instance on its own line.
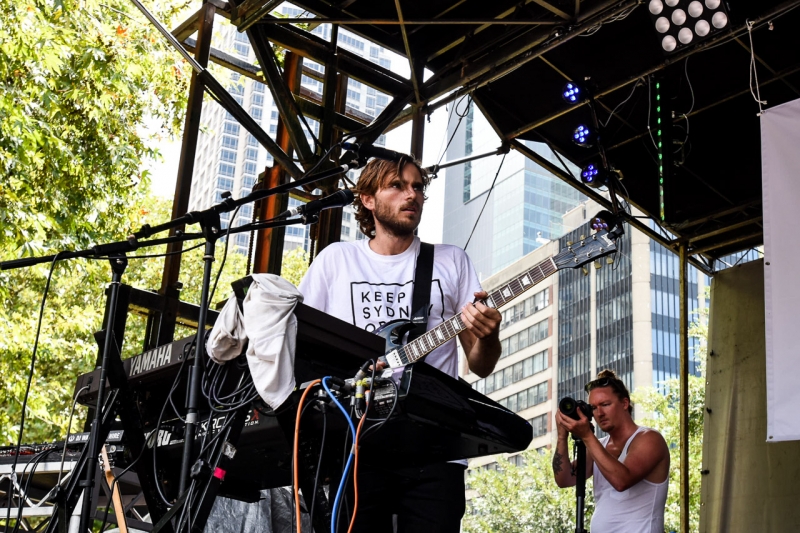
[594, 175]
[572, 93]
[583, 136]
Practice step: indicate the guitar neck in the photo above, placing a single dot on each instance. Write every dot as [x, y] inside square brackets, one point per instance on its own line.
[432, 339]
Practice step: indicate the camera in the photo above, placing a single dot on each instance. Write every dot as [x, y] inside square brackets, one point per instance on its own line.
[569, 407]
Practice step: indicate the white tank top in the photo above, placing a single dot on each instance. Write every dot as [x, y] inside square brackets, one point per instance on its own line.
[640, 509]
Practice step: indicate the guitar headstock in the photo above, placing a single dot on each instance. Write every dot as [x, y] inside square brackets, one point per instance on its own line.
[593, 247]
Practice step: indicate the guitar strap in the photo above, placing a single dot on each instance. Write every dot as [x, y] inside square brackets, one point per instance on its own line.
[421, 298]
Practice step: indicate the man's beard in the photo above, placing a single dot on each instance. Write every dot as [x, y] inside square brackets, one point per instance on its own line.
[392, 223]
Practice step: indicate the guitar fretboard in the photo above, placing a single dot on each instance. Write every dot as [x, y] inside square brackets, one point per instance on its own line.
[432, 339]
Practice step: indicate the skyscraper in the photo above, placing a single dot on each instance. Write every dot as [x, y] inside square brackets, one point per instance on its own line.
[525, 202]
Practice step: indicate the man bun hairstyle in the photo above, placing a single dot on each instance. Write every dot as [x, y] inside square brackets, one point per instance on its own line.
[372, 178]
[617, 385]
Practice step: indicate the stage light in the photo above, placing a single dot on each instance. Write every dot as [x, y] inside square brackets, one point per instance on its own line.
[656, 6]
[594, 175]
[682, 23]
[583, 136]
[678, 17]
[572, 93]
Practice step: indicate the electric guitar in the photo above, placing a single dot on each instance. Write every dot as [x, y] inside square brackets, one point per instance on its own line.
[575, 255]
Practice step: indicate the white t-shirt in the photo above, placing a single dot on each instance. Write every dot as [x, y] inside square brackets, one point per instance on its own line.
[640, 509]
[351, 282]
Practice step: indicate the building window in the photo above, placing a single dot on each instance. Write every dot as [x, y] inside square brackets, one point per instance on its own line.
[251, 154]
[226, 169]
[345, 231]
[225, 184]
[231, 129]
[524, 338]
[228, 156]
[250, 167]
[539, 424]
[230, 142]
[526, 308]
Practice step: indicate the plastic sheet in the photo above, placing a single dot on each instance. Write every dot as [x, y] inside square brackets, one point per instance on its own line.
[274, 513]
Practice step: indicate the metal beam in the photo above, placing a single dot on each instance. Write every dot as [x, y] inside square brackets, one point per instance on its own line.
[411, 62]
[726, 229]
[282, 96]
[553, 9]
[759, 235]
[268, 256]
[183, 186]
[683, 298]
[513, 55]
[313, 47]
[314, 109]
[418, 22]
[718, 214]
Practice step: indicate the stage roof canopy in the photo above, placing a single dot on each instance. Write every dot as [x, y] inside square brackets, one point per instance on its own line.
[515, 56]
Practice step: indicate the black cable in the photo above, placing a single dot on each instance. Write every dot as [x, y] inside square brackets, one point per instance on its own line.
[28, 386]
[319, 463]
[35, 460]
[375, 428]
[175, 383]
[488, 194]
[153, 256]
[224, 254]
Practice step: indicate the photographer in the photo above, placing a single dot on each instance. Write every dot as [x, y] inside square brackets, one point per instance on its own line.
[630, 466]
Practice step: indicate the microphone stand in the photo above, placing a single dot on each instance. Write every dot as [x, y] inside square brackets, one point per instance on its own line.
[580, 483]
[209, 221]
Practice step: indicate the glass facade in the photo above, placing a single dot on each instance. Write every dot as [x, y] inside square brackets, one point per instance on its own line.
[614, 313]
[665, 313]
[574, 335]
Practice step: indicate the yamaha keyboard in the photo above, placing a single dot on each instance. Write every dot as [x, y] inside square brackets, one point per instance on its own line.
[436, 417]
[326, 346]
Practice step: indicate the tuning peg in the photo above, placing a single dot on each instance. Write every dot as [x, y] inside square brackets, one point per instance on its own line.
[597, 265]
[585, 270]
[570, 243]
[609, 260]
[583, 237]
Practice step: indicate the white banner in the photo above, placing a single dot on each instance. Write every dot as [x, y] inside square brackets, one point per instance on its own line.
[780, 164]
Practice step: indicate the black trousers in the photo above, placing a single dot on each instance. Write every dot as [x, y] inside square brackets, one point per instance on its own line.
[426, 499]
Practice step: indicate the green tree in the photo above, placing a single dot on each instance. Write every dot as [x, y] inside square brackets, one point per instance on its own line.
[522, 499]
[78, 78]
[74, 311]
[294, 265]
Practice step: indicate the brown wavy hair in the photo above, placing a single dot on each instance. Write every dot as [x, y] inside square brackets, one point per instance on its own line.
[373, 177]
[608, 378]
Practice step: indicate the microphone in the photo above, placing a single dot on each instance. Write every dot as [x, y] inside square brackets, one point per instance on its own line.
[337, 199]
[368, 150]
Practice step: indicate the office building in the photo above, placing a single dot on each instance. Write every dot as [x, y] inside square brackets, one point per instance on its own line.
[499, 213]
[620, 313]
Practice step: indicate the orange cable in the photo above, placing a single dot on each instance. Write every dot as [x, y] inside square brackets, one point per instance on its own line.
[355, 470]
[296, 474]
